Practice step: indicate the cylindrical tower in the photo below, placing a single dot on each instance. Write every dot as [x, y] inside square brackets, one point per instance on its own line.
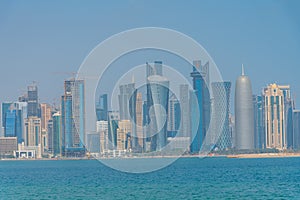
[159, 90]
[244, 120]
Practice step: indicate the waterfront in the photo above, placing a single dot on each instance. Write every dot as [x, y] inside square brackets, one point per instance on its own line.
[187, 178]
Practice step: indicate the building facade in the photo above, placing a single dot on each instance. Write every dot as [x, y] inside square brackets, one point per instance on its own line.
[296, 129]
[73, 118]
[32, 100]
[259, 125]
[158, 112]
[201, 84]
[102, 108]
[221, 98]
[185, 110]
[275, 125]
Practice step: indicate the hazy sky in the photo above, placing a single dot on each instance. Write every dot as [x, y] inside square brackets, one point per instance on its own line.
[45, 41]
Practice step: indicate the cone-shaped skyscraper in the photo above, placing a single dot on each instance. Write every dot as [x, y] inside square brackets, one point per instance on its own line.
[244, 120]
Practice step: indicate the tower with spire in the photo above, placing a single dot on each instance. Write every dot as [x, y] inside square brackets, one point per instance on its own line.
[244, 120]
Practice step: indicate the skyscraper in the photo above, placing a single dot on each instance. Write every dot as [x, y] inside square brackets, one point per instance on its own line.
[124, 135]
[244, 120]
[4, 108]
[102, 129]
[201, 84]
[206, 85]
[296, 129]
[221, 94]
[127, 95]
[275, 125]
[46, 115]
[32, 100]
[102, 108]
[259, 124]
[73, 117]
[33, 135]
[155, 69]
[173, 116]
[139, 123]
[10, 123]
[14, 120]
[288, 113]
[113, 121]
[159, 91]
[48, 139]
[56, 133]
[151, 70]
[185, 112]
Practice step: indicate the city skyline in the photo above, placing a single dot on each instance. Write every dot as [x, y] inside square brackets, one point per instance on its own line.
[268, 41]
[137, 99]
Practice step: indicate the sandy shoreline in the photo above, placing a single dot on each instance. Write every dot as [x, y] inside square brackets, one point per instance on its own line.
[259, 155]
[265, 155]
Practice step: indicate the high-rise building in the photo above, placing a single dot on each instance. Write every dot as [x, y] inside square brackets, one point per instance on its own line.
[124, 135]
[288, 114]
[201, 84]
[232, 129]
[155, 69]
[159, 92]
[259, 124]
[48, 140]
[102, 108]
[73, 118]
[185, 112]
[296, 129]
[196, 129]
[57, 134]
[244, 120]
[46, 115]
[32, 100]
[10, 123]
[93, 142]
[275, 125]
[102, 129]
[221, 94]
[173, 116]
[4, 108]
[151, 70]
[33, 133]
[206, 85]
[140, 138]
[127, 93]
[14, 120]
[113, 125]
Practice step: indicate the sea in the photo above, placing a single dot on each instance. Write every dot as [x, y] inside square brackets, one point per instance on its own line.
[187, 178]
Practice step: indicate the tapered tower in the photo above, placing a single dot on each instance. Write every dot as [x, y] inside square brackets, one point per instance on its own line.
[244, 120]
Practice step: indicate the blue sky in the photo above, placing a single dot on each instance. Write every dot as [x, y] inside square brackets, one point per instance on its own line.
[45, 41]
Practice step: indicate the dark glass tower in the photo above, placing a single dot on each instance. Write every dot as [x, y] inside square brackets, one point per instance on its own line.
[201, 83]
[57, 133]
[73, 117]
[11, 123]
[296, 129]
[113, 120]
[102, 108]
[32, 100]
[259, 128]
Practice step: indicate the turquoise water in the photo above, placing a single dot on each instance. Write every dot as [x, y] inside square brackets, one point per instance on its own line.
[187, 178]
